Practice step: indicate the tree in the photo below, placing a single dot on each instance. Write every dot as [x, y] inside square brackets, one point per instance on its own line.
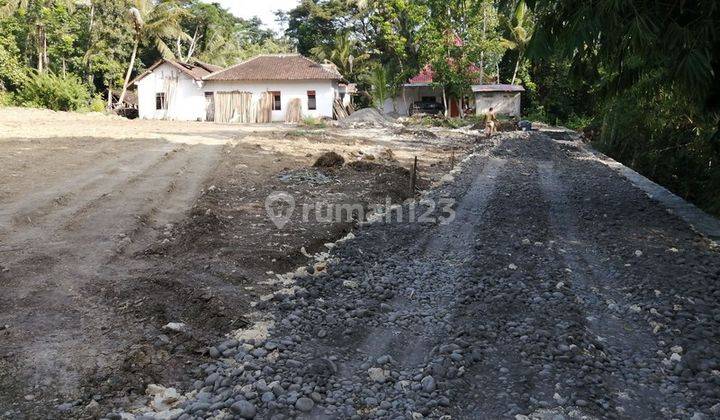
[343, 53]
[154, 23]
[520, 30]
[381, 88]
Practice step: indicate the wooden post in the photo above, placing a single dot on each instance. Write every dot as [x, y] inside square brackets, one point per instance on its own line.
[413, 177]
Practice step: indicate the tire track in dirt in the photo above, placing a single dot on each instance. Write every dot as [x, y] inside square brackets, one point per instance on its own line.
[594, 283]
[45, 208]
[68, 336]
[414, 344]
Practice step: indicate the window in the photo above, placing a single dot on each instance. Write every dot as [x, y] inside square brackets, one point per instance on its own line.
[312, 103]
[160, 102]
[276, 104]
[427, 99]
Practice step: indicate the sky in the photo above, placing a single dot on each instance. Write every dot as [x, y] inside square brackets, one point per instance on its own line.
[264, 9]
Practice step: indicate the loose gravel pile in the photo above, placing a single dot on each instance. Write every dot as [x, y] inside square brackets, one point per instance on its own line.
[559, 291]
[366, 117]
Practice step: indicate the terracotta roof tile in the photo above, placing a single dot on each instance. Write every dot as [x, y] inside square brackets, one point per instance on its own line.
[197, 69]
[277, 67]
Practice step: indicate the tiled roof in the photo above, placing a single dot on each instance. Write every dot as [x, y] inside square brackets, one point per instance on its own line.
[197, 69]
[427, 74]
[277, 67]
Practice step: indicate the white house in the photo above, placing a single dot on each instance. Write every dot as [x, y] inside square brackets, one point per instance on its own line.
[280, 87]
[173, 90]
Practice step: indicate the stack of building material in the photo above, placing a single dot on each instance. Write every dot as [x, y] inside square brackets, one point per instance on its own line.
[234, 107]
[294, 111]
[264, 109]
[339, 111]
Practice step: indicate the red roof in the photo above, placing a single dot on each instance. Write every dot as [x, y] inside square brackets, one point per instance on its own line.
[277, 67]
[425, 76]
[427, 73]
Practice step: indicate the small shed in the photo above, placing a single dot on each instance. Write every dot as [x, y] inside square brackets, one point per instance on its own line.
[504, 99]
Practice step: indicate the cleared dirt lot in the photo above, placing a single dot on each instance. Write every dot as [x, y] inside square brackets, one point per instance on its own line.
[110, 229]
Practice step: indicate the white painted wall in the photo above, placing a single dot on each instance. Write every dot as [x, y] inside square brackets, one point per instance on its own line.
[411, 94]
[325, 93]
[186, 103]
[503, 103]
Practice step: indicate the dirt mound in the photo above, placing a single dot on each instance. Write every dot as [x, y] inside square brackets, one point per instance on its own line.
[367, 117]
[329, 160]
[365, 166]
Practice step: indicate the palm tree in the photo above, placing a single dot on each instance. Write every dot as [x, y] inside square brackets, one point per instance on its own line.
[520, 27]
[342, 53]
[153, 22]
[381, 84]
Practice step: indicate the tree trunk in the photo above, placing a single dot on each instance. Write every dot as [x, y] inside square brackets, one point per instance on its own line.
[482, 53]
[129, 70]
[41, 48]
[445, 103]
[517, 64]
[193, 45]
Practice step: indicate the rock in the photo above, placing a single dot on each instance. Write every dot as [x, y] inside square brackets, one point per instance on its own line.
[267, 397]
[93, 407]
[244, 409]
[304, 404]
[175, 326]
[428, 383]
[350, 284]
[378, 375]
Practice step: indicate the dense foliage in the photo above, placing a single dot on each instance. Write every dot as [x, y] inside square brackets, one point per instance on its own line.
[61, 53]
[644, 78]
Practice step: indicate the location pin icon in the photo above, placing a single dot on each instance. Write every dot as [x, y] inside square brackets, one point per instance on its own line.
[280, 207]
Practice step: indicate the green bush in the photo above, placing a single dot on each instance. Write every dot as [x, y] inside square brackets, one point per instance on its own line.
[48, 90]
[97, 104]
[313, 122]
[6, 98]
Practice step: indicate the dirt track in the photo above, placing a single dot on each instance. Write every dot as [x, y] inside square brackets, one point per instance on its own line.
[560, 291]
[110, 229]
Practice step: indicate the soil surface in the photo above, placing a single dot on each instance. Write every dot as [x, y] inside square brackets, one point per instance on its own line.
[127, 248]
[559, 290]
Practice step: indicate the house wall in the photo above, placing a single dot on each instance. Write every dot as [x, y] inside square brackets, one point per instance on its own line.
[503, 103]
[185, 97]
[401, 103]
[325, 93]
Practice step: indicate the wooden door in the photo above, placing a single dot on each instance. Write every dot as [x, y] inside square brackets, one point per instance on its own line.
[209, 106]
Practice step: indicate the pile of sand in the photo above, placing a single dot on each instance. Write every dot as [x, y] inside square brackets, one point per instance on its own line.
[366, 117]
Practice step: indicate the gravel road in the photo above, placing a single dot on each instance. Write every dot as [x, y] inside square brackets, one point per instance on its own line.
[560, 291]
